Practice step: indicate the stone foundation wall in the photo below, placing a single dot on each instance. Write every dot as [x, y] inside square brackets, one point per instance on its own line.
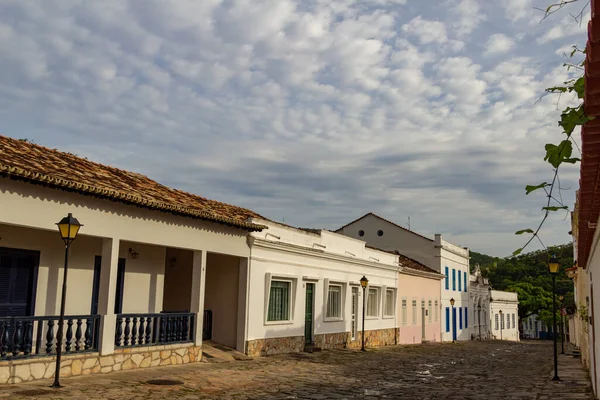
[333, 340]
[376, 338]
[31, 369]
[270, 346]
[295, 344]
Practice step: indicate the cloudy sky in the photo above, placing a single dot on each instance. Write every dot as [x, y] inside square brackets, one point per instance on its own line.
[309, 111]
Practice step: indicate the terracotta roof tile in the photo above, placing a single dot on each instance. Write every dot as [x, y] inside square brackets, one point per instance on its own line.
[588, 201]
[41, 165]
[413, 264]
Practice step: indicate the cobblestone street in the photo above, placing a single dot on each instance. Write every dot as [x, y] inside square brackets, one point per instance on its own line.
[472, 370]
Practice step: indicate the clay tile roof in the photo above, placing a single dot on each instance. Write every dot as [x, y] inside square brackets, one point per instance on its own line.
[589, 181]
[41, 165]
[408, 262]
[386, 220]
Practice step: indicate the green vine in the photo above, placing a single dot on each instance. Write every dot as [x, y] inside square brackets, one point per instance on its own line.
[562, 152]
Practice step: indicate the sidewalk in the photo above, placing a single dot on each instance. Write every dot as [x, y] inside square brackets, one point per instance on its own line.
[575, 381]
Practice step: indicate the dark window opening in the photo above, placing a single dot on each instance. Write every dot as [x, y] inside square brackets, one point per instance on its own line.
[361, 233]
[380, 233]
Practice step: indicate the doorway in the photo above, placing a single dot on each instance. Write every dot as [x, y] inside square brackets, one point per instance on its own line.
[120, 285]
[454, 336]
[309, 313]
[18, 281]
[354, 311]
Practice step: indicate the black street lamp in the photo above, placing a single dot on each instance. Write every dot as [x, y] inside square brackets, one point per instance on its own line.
[68, 228]
[553, 268]
[562, 335]
[479, 319]
[363, 282]
[453, 318]
[501, 322]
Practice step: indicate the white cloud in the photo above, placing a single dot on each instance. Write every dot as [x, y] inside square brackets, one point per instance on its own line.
[315, 111]
[517, 9]
[498, 43]
[565, 27]
[426, 31]
[465, 16]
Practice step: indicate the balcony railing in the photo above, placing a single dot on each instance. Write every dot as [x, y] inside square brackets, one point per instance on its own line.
[37, 336]
[135, 330]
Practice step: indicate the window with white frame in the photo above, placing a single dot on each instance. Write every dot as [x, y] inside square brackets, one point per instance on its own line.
[430, 310]
[389, 308]
[496, 320]
[414, 312]
[373, 302]
[334, 301]
[404, 312]
[280, 301]
[437, 311]
[514, 320]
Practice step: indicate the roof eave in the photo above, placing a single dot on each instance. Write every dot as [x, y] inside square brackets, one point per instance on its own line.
[89, 190]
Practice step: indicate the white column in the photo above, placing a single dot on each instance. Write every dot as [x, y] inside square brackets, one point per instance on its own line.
[197, 303]
[242, 306]
[106, 295]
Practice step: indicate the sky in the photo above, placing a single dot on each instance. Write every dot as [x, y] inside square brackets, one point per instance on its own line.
[309, 112]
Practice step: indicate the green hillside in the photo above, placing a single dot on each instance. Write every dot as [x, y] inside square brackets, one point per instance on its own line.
[527, 274]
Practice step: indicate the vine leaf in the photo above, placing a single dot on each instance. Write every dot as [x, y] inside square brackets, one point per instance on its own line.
[531, 188]
[517, 252]
[555, 155]
[555, 208]
[522, 231]
[572, 117]
[579, 87]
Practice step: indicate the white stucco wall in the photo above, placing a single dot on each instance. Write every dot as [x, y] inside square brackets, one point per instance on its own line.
[593, 271]
[394, 238]
[288, 253]
[460, 264]
[34, 206]
[436, 254]
[506, 302]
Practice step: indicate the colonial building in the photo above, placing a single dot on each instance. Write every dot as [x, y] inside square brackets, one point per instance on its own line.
[419, 317]
[304, 291]
[533, 328]
[438, 254]
[504, 315]
[479, 291]
[149, 266]
[586, 232]
[579, 321]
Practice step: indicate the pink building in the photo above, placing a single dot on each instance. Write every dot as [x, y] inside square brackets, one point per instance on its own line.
[419, 306]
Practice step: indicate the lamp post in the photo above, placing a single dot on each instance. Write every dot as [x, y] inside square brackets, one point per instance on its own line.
[363, 282]
[553, 268]
[501, 322]
[479, 320]
[562, 335]
[453, 327]
[68, 228]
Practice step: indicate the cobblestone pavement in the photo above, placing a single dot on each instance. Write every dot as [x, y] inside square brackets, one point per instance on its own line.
[471, 370]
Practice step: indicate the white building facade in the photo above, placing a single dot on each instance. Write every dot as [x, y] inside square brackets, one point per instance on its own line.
[304, 291]
[504, 315]
[147, 267]
[479, 291]
[438, 254]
